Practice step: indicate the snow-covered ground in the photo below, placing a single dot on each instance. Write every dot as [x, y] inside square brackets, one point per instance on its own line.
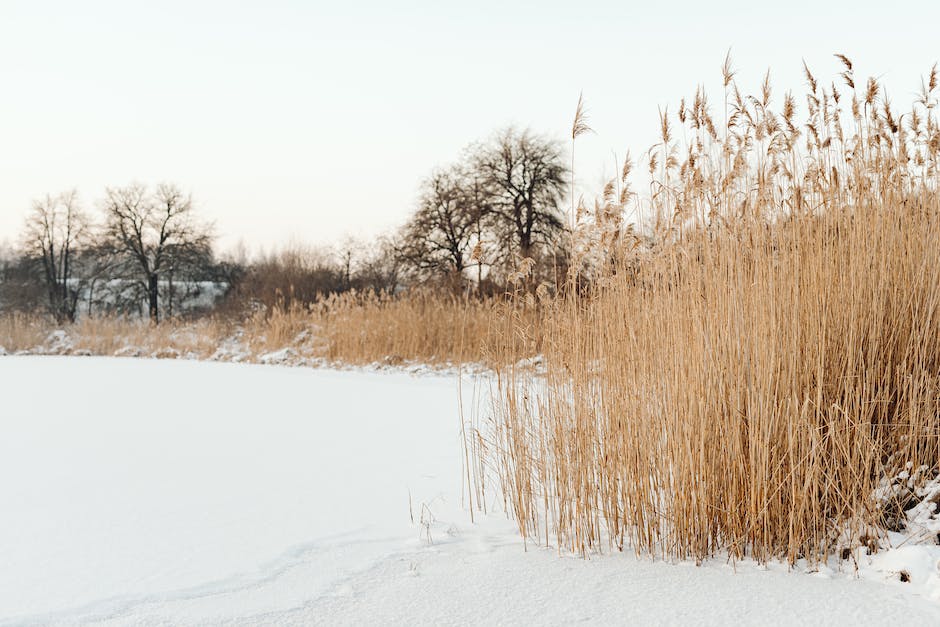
[177, 492]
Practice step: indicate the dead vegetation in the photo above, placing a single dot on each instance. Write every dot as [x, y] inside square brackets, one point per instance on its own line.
[348, 329]
[743, 371]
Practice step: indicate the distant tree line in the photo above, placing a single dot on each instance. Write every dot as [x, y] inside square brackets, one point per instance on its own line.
[145, 252]
[145, 245]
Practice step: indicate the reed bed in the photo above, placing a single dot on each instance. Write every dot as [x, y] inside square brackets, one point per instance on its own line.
[426, 327]
[349, 329]
[38, 334]
[22, 331]
[755, 359]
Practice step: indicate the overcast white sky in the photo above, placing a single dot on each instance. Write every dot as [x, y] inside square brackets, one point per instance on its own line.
[310, 120]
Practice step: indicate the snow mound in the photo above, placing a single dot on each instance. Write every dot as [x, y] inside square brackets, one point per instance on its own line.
[58, 342]
[285, 356]
[129, 351]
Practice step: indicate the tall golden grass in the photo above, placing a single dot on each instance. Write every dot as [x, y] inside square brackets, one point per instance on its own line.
[34, 333]
[751, 363]
[349, 329]
[22, 331]
[424, 327]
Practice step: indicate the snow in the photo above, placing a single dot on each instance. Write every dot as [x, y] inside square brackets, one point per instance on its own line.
[176, 492]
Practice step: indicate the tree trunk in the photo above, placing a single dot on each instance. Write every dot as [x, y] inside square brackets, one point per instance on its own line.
[153, 295]
[525, 246]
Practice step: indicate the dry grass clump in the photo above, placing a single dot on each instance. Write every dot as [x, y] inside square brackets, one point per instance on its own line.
[743, 374]
[364, 328]
[195, 339]
[173, 338]
[427, 327]
[21, 332]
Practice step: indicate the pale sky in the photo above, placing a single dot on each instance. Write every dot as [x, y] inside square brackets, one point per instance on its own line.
[307, 121]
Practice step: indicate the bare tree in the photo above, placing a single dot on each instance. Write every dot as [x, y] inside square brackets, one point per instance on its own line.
[529, 178]
[380, 267]
[56, 230]
[441, 235]
[96, 262]
[349, 253]
[19, 289]
[156, 232]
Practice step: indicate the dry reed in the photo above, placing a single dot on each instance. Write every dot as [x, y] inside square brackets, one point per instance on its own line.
[745, 371]
[350, 329]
